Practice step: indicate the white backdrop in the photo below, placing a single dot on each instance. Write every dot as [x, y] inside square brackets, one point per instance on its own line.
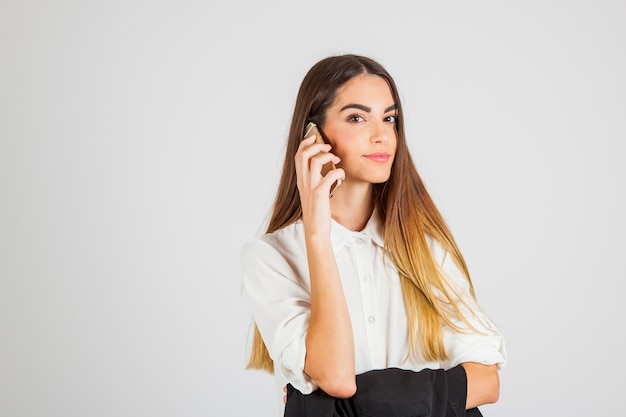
[141, 143]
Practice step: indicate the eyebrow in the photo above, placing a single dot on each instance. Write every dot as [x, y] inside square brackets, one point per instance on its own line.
[365, 108]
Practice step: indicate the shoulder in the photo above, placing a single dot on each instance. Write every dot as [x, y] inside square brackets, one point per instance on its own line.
[268, 260]
[284, 243]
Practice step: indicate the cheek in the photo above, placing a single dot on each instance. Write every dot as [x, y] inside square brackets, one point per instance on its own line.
[344, 149]
[340, 141]
[331, 134]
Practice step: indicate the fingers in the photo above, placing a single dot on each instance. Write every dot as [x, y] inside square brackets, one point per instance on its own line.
[309, 160]
[335, 175]
[308, 149]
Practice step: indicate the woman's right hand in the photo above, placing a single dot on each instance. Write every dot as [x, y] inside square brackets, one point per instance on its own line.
[314, 188]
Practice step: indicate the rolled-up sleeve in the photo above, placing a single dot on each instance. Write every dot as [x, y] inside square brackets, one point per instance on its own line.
[482, 342]
[486, 347]
[279, 302]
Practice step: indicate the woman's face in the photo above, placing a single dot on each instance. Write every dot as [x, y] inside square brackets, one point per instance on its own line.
[361, 127]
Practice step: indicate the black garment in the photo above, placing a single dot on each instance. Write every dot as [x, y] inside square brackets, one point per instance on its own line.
[390, 392]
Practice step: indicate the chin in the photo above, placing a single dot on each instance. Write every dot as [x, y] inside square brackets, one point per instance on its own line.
[379, 179]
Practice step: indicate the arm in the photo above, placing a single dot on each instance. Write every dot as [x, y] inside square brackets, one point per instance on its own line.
[290, 292]
[329, 359]
[483, 384]
[329, 341]
[392, 392]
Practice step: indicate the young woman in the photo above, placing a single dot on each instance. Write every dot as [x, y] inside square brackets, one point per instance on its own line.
[370, 278]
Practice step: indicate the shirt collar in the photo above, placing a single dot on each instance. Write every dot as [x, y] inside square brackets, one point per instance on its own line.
[373, 231]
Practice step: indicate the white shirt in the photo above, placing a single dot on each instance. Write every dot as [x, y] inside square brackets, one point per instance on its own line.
[276, 287]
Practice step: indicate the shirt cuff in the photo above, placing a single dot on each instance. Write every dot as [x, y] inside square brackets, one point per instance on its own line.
[291, 366]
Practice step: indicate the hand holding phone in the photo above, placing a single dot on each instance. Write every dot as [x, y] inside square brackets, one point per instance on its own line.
[312, 129]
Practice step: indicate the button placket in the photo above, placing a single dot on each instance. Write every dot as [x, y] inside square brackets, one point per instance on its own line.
[368, 297]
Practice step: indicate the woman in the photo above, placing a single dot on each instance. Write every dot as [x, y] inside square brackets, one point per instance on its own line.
[371, 278]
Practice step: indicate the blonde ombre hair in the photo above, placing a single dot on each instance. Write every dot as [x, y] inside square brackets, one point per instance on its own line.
[406, 209]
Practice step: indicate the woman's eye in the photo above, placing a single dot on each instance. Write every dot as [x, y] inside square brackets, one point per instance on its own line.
[391, 119]
[355, 118]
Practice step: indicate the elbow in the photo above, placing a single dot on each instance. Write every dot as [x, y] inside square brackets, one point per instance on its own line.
[336, 381]
[337, 384]
[339, 388]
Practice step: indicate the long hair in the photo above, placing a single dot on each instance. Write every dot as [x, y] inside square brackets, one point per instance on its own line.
[405, 206]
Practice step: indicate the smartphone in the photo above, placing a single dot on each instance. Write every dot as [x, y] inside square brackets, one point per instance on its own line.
[311, 129]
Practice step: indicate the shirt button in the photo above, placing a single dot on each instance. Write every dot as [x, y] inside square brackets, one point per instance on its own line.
[371, 319]
[366, 278]
[359, 241]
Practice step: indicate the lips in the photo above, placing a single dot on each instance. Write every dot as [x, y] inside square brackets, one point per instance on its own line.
[378, 156]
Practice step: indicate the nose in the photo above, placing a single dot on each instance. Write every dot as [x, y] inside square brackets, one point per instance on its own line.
[379, 132]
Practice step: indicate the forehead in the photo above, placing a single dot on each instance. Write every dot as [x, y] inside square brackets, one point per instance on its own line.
[365, 89]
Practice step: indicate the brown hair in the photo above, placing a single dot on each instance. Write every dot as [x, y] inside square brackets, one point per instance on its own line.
[406, 209]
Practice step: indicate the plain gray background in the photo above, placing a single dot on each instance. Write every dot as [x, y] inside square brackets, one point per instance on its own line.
[141, 143]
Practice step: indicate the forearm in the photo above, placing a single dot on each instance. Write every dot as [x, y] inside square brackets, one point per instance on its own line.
[330, 344]
[393, 392]
[483, 384]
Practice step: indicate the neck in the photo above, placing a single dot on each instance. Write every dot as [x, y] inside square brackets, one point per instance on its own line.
[352, 206]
